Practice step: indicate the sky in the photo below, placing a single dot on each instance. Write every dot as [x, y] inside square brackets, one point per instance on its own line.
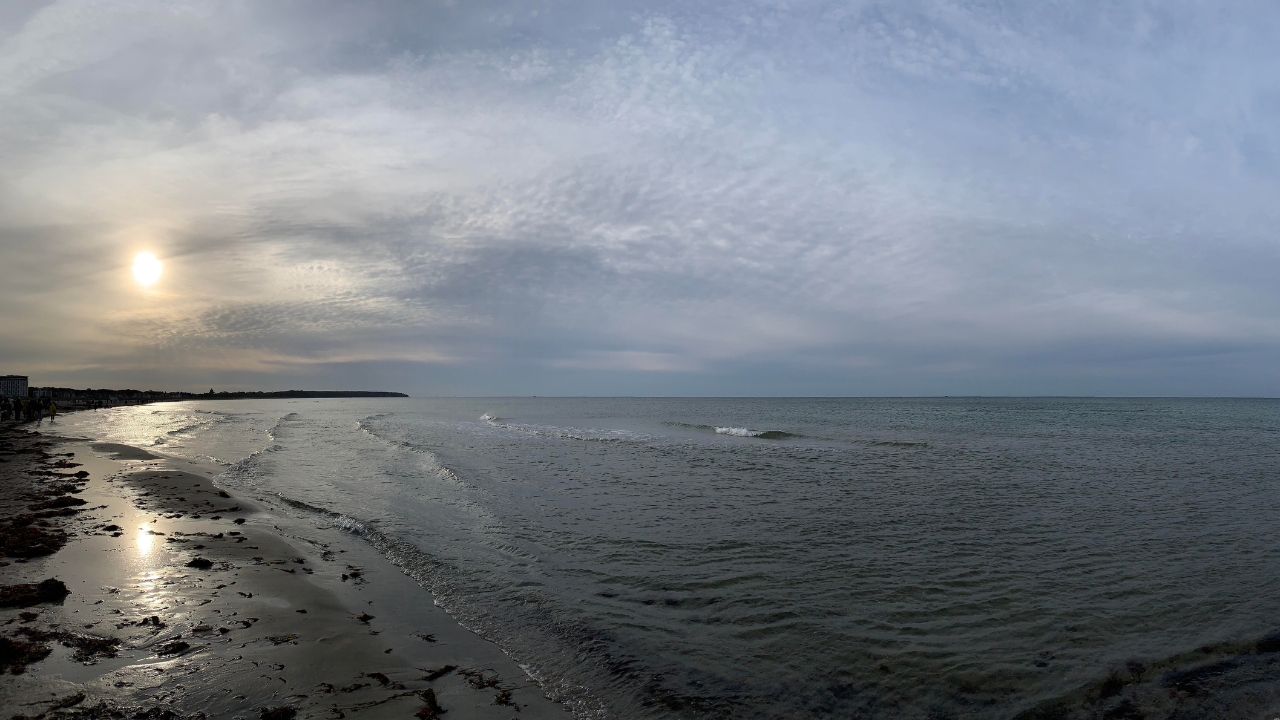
[662, 198]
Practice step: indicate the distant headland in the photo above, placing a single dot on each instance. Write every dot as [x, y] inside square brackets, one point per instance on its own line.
[260, 395]
[15, 386]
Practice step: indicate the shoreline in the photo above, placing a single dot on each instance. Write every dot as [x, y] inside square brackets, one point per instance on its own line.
[187, 602]
[350, 578]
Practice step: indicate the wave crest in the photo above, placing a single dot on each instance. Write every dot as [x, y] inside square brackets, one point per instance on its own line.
[762, 434]
[735, 431]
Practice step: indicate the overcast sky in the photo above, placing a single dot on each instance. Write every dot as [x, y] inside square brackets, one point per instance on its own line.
[751, 198]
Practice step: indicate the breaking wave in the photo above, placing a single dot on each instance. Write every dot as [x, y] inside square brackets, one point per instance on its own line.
[567, 433]
[736, 431]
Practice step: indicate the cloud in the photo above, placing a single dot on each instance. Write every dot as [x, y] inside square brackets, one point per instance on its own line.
[929, 191]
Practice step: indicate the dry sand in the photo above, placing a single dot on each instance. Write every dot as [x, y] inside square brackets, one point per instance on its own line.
[185, 601]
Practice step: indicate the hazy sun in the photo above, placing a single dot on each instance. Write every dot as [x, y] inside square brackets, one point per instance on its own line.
[146, 268]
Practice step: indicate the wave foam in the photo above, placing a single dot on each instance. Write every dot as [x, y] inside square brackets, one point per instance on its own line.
[567, 433]
[735, 431]
[745, 432]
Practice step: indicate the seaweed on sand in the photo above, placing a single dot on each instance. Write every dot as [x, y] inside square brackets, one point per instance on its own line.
[19, 537]
[16, 655]
[27, 594]
[176, 647]
[432, 709]
[61, 501]
[479, 680]
[436, 674]
[85, 648]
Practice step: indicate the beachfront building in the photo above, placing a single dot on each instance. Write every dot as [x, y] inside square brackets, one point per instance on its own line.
[13, 385]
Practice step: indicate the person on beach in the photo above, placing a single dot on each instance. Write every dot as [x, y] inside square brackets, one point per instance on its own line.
[53, 410]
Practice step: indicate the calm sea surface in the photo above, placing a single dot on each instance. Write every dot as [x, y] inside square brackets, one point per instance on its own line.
[651, 558]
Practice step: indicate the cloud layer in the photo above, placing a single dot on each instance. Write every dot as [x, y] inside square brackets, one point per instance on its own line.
[779, 197]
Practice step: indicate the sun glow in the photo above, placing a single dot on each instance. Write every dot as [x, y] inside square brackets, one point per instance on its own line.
[146, 268]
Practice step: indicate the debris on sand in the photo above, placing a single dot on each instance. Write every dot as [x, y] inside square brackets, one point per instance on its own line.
[174, 648]
[438, 673]
[87, 649]
[479, 680]
[284, 712]
[200, 563]
[20, 538]
[433, 709]
[68, 701]
[62, 501]
[102, 711]
[27, 594]
[16, 655]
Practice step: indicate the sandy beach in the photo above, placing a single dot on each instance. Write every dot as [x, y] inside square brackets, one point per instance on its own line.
[174, 599]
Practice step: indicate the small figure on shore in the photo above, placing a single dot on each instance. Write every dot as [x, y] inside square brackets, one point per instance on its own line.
[53, 410]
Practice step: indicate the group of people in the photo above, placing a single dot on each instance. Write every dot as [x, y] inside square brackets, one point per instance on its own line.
[19, 409]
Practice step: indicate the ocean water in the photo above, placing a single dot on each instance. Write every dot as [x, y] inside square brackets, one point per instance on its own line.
[708, 558]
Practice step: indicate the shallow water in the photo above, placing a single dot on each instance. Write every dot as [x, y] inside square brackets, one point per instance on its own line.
[777, 557]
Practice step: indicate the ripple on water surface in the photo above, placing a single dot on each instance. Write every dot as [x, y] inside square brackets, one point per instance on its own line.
[761, 558]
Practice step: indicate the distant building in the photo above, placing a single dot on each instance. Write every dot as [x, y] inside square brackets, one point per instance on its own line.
[11, 385]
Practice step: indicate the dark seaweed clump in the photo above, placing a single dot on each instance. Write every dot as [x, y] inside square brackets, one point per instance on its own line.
[16, 655]
[85, 648]
[62, 501]
[27, 594]
[19, 537]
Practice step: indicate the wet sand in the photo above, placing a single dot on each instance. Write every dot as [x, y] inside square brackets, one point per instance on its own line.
[184, 601]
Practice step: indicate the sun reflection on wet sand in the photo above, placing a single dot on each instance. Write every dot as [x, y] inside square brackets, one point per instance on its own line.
[144, 541]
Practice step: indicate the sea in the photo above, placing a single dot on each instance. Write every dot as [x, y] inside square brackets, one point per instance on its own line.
[779, 558]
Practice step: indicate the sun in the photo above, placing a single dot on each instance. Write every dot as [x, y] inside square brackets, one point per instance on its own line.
[146, 268]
